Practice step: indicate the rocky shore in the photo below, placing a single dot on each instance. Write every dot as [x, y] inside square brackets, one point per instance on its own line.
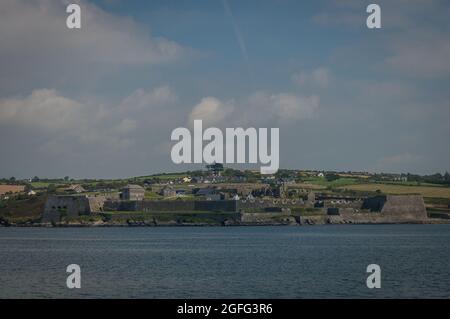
[292, 221]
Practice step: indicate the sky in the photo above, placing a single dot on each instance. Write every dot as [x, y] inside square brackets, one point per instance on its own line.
[102, 101]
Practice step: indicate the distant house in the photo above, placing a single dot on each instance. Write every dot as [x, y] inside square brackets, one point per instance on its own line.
[400, 178]
[187, 179]
[180, 192]
[239, 178]
[196, 179]
[133, 192]
[250, 197]
[75, 188]
[321, 174]
[31, 193]
[205, 191]
[168, 191]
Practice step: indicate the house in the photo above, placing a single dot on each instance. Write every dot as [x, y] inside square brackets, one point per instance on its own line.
[168, 191]
[180, 192]
[133, 192]
[321, 174]
[197, 179]
[31, 193]
[187, 179]
[205, 191]
[75, 188]
[285, 181]
[250, 197]
[239, 179]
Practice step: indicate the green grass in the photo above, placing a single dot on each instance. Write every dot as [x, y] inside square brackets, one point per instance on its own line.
[408, 183]
[425, 191]
[163, 176]
[41, 185]
[152, 195]
[322, 181]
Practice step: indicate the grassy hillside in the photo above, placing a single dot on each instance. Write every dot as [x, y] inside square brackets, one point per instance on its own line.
[426, 191]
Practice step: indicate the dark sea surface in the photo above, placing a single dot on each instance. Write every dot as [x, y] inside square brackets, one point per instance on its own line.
[226, 262]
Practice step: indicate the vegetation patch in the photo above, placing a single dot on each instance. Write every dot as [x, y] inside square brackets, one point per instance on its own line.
[426, 191]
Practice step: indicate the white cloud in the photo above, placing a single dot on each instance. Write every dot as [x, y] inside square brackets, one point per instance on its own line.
[42, 109]
[36, 44]
[289, 107]
[260, 108]
[88, 122]
[211, 110]
[40, 27]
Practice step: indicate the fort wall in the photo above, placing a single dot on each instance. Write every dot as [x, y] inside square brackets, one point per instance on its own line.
[69, 206]
[409, 207]
[381, 209]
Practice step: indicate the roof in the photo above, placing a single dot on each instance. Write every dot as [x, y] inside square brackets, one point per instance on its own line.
[206, 191]
[75, 186]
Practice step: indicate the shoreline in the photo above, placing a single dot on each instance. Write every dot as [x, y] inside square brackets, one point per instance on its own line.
[181, 225]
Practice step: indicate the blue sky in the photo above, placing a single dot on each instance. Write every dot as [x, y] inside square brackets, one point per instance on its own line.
[102, 101]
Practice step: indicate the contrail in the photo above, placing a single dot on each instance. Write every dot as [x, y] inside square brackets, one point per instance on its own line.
[238, 34]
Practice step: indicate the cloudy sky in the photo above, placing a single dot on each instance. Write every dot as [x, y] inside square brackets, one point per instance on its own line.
[102, 101]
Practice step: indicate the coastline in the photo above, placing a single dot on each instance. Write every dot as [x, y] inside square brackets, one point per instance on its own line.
[204, 224]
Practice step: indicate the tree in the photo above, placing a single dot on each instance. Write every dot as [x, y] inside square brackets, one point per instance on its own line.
[447, 177]
[283, 173]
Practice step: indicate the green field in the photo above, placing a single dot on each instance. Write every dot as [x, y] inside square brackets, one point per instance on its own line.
[425, 191]
[41, 185]
[321, 181]
[163, 176]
